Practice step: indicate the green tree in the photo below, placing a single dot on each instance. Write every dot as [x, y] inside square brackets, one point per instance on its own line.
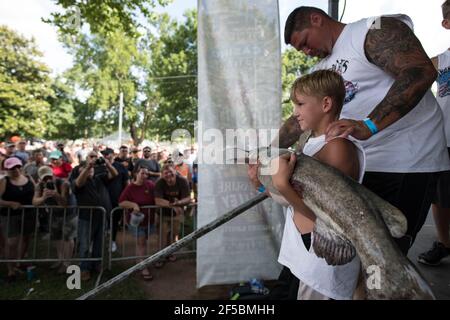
[103, 16]
[25, 86]
[172, 73]
[293, 65]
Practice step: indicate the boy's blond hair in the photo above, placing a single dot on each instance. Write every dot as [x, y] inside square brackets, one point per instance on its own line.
[446, 9]
[321, 84]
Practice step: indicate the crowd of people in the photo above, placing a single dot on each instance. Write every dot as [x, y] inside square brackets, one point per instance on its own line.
[77, 181]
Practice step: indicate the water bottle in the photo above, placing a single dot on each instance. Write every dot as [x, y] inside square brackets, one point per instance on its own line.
[30, 273]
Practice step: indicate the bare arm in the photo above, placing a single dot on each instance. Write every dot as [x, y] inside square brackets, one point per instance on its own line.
[396, 50]
[160, 202]
[130, 205]
[84, 175]
[435, 63]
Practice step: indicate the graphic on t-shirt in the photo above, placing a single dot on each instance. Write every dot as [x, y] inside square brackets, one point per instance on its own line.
[443, 81]
[350, 90]
[341, 67]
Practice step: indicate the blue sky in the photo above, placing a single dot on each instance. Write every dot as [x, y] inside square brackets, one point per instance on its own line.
[24, 16]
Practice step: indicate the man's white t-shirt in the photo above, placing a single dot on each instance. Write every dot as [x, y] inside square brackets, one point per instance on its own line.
[335, 282]
[416, 142]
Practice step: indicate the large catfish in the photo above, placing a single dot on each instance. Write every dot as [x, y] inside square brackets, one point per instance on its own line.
[351, 220]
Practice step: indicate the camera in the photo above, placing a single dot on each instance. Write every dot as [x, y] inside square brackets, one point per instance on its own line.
[100, 162]
[48, 185]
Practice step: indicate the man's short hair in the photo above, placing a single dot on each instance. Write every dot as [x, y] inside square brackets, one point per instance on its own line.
[167, 166]
[446, 9]
[321, 83]
[36, 151]
[299, 19]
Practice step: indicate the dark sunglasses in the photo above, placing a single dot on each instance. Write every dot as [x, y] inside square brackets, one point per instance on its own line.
[15, 167]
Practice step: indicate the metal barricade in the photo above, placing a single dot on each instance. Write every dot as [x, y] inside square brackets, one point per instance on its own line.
[130, 244]
[19, 228]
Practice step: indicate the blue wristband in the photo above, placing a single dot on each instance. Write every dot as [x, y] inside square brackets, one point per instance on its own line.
[372, 127]
[262, 189]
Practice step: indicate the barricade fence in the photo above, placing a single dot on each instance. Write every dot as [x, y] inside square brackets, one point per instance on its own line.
[82, 234]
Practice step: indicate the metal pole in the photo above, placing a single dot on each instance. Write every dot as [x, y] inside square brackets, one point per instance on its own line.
[176, 246]
[120, 117]
[333, 9]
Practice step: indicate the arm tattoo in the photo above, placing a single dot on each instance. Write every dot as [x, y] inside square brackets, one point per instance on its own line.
[395, 49]
[289, 134]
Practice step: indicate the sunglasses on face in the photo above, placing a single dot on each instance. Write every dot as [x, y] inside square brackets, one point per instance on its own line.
[15, 167]
[93, 157]
[146, 150]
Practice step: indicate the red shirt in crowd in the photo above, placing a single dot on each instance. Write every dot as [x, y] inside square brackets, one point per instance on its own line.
[62, 171]
[143, 195]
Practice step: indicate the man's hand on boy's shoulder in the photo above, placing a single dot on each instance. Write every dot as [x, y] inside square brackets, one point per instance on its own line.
[341, 154]
[346, 127]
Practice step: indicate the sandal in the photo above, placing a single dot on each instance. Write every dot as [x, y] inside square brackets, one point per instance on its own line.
[146, 275]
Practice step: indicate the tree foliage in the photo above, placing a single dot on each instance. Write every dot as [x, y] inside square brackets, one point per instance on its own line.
[293, 65]
[25, 86]
[103, 16]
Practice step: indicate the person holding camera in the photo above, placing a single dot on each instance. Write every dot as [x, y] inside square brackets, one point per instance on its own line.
[65, 156]
[90, 183]
[53, 191]
[115, 187]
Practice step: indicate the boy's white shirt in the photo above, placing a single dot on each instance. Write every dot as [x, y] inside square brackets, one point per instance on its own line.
[335, 282]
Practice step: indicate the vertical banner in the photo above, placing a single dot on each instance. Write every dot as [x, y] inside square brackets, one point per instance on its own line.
[239, 92]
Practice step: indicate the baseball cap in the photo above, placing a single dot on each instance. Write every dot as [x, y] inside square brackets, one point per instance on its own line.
[45, 171]
[10, 144]
[55, 154]
[107, 151]
[12, 162]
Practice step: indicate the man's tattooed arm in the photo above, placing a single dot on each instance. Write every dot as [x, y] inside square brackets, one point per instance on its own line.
[289, 134]
[395, 49]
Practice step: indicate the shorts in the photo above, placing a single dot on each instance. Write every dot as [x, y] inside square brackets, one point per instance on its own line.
[64, 231]
[307, 293]
[441, 188]
[142, 231]
[15, 224]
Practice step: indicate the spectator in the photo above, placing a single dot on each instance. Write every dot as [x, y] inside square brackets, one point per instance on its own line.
[182, 168]
[61, 169]
[82, 153]
[66, 156]
[10, 149]
[54, 191]
[163, 156]
[124, 159]
[16, 190]
[21, 153]
[172, 193]
[47, 149]
[135, 155]
[90, 188]
[147, 162]
[140, 193]
[31, 169]
[115, 187]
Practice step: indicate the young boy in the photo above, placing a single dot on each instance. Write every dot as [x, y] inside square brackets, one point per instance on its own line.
[318, 99]
[441, 199]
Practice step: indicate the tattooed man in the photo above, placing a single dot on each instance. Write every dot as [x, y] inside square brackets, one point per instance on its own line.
[388, 105]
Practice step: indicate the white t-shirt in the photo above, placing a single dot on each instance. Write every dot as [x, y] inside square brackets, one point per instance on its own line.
[335, 282]
[416, 142]
[443, 93]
